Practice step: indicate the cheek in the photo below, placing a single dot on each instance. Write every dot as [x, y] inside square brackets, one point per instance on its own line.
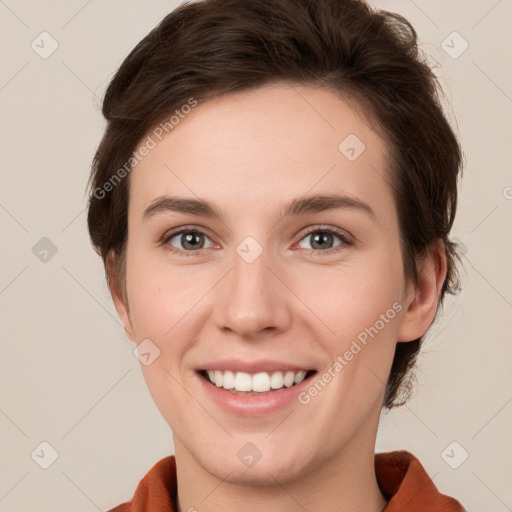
[161, 303]
[352, 297]
[169, 306]
[362, 309]
[361, 306]
[156, 296]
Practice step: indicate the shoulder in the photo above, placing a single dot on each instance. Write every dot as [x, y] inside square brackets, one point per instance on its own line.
[406, 484]
[156, 489]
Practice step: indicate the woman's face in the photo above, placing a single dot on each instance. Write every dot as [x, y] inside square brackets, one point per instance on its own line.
[270, 279]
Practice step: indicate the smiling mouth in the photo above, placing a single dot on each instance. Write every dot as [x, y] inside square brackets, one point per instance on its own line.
[255, 383]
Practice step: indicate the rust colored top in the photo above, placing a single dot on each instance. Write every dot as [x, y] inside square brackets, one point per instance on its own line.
[401, 477]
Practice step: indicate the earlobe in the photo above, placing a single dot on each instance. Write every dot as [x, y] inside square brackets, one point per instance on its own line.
[120, 301]
[421, 303]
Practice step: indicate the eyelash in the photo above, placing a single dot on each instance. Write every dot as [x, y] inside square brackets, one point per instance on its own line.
[345, 240]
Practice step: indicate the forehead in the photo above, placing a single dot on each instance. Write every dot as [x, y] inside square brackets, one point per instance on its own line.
[267, 144]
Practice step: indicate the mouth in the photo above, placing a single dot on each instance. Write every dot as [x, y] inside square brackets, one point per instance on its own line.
[257, 383]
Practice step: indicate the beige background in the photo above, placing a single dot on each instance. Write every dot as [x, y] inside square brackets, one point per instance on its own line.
[67, 373]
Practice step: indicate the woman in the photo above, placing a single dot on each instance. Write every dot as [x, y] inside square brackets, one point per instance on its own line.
[272, 200]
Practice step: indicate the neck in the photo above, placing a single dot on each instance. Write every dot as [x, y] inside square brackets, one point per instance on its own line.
[344, 482]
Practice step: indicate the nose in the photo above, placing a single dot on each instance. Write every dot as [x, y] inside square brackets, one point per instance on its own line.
[253, 301]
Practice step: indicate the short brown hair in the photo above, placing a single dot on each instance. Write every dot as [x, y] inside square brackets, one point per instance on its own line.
[214, 47]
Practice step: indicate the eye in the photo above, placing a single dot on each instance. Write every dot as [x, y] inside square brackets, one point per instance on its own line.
[187, 240]
[190, 241]
[323, 239]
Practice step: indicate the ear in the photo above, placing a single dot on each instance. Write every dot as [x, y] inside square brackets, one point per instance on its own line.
[120, 301]
[421, 302]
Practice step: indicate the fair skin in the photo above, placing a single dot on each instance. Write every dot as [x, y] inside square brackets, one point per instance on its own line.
[250, 154]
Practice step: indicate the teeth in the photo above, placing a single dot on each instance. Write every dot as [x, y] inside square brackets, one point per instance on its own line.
[261, 382]
[243, 381]
[289, 377]
[276, 380]
[299, 377]
[228, 380]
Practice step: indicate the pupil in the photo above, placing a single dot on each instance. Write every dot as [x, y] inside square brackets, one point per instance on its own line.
[190, 238]
[321, 238]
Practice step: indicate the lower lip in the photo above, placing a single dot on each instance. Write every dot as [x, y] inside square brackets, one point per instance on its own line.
[253, 405]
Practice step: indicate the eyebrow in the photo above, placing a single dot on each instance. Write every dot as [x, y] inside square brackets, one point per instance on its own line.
[299, 206]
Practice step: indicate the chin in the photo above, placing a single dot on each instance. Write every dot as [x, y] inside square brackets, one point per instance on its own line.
[246, 464]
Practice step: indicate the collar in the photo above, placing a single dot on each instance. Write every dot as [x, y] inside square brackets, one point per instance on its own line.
[402, 480]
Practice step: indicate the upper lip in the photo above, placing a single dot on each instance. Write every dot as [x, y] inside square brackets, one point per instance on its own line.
[263, 365]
